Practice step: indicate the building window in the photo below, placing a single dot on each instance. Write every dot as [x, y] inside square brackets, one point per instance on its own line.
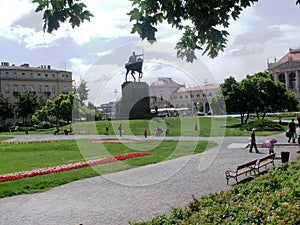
[46, 76]
[7, 88]
[67, 77]
[282, 78]
[53, 76]
[39, 88]
[31, 75]
[180, 96]
[16, 88]
[6, 74]
[65, 89]
[39, 76]
[23, 75]
[53, 89]
[186, 96]
[23, 88]
[292, 80]
[15, 75]
[31, 88]
[63, 77]
[198, 95]
[46, 88]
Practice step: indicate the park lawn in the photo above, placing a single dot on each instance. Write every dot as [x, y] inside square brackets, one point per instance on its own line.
[177, 126]
[26, 157]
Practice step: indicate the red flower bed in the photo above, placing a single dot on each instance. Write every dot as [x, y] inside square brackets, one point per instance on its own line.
[56, 169]
[115, 141]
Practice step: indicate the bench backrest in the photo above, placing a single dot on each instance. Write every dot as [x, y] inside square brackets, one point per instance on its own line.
[247, 164]
[270, 156]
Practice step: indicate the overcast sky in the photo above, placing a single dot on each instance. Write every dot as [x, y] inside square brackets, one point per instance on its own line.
[98, 50]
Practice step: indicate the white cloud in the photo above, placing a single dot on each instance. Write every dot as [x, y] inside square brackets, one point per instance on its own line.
[12, 10]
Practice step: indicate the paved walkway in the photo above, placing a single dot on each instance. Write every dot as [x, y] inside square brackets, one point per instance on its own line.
[135, 194]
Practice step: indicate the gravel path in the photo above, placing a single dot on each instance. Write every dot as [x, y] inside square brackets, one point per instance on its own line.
[135, 194]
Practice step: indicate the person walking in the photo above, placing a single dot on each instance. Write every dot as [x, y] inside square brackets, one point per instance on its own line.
[196, 127]
[292, 131]
[120, 129]
[253, 141]
[145, 132]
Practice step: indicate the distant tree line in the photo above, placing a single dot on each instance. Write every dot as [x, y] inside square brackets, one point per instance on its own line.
[256, 94]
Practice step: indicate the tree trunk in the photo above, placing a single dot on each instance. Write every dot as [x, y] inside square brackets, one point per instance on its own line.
[247, 118]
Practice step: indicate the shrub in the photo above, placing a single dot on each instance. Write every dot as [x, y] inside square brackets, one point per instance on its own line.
[262, 125]
[45, 125]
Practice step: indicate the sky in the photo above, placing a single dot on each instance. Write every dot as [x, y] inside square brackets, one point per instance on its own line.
[98, 50]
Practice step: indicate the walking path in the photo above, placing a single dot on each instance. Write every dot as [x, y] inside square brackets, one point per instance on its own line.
[135, 194]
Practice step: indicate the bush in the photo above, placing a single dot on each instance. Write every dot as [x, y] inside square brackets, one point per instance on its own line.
[26, 129]
[263, 125]
[45, 125]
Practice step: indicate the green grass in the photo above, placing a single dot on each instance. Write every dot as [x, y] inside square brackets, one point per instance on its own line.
[272, 198]
[178, 126]
[24, 157]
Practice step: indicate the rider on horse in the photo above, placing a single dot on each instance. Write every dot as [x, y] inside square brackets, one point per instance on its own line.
[134, 65]
[133, 58]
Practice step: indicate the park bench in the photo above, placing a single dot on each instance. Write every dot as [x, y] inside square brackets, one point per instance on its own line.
[244, 168]
[264, 161]
[252, 166]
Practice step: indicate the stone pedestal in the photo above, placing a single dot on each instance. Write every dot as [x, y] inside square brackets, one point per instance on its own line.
[135, 102]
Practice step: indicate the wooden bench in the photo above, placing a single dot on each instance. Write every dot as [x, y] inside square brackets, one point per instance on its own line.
[252, 166]
[264, 161]
[245, 168]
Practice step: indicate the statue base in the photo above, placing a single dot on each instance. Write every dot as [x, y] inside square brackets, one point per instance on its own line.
[135, 103]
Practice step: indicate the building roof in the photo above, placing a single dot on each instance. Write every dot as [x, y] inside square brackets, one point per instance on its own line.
[165, 81]
[26, 67]
[199, 88]
[293, 54]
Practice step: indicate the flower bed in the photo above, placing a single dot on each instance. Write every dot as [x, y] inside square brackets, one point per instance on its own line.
[116, 141]
[56, 169]
[26, 142]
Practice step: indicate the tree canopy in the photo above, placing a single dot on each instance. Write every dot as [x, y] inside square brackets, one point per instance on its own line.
[6, 109]
[26, 105]
[204, 24]
[81, 91]
[257, 93]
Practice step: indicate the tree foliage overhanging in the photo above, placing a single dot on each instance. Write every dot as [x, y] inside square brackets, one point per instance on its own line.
[203, 24]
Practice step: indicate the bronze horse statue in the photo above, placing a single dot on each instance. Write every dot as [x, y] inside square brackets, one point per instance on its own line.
[134, 67]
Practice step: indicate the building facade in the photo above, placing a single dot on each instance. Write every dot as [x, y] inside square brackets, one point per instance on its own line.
[161, 90]
[41, 81]
[168, 93]
[287, 70]
[195, 97]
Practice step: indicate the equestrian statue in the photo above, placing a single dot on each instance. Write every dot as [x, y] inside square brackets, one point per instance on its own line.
[134, 64]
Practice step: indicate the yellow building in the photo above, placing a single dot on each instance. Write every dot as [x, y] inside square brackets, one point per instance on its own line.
[42, 81]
